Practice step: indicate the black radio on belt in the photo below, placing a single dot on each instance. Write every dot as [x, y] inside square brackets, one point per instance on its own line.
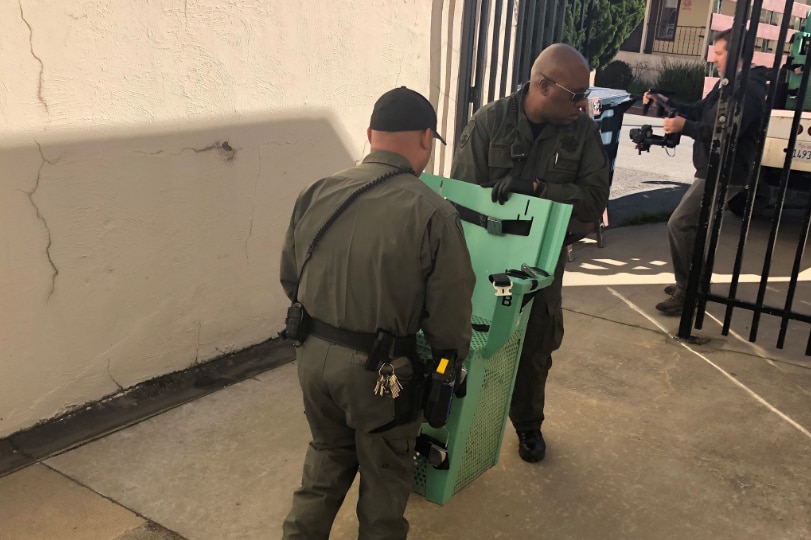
[439, 393]
[297, 323]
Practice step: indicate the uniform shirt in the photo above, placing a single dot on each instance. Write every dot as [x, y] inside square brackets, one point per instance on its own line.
[395, 259]
[570, 159]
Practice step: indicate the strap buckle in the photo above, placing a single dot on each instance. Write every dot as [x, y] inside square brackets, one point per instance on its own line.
[494, 226]
[502, 284]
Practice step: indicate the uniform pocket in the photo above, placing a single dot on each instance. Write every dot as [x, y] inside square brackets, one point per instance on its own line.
[499, 160]
[365, 411]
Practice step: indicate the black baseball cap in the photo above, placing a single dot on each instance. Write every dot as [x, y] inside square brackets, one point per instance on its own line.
[403, 109]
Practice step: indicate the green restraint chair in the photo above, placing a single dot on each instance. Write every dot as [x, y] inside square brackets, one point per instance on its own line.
[514, 249]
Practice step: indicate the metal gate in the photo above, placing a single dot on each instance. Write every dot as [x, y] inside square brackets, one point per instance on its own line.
[722, 153]
[500, 41]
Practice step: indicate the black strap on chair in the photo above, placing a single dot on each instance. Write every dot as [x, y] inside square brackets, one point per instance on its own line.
[362, 341]
[434, 452]
[494, 226]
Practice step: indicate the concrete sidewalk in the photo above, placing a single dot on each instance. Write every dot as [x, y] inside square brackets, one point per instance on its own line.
[648, 438]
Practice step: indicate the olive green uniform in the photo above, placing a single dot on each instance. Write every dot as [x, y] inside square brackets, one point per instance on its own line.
[396, 260]
[572, 163]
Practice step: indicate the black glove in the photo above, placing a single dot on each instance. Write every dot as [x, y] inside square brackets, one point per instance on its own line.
[502, 188]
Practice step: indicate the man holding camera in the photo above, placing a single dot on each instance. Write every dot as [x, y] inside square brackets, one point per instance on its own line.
[539, 142]
[392, 261]
[697, 121]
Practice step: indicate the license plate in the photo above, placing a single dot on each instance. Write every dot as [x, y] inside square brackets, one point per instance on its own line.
[802, 151]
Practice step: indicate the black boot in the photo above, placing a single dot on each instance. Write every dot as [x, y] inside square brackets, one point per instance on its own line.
[531, 446]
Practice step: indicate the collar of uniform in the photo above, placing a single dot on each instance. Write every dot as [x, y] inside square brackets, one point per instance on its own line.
[387, 158]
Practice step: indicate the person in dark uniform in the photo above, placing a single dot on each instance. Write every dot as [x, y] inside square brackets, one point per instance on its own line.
[539, 142]
[393, 262]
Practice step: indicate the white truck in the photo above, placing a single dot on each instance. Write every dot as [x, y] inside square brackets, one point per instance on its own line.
[774, 156]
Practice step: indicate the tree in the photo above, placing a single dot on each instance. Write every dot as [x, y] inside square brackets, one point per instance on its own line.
[606, 25]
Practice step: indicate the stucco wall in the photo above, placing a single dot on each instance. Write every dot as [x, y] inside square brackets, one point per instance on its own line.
[150, 156]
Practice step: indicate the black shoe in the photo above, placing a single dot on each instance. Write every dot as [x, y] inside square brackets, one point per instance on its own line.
[671, 289]
[531, 446]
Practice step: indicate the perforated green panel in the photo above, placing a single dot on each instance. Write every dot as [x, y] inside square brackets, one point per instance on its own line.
[420, 475]
[475, 429]
[422, 469]
[486, 433]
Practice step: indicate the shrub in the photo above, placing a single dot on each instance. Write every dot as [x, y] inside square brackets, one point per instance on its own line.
[609, 23]
[685, 78]
[616, 74]
[638, 87]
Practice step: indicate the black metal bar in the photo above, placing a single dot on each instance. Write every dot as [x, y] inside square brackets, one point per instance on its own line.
[795, 272]
[465, 63]
[526, 54]
[494, 51]
[751, 306]
[560, 21]
[781, 195]
[587, 42]
[714, 169]
[481, 54]
[539, 41]
[551, 21]
[520, 36]
[745, 49]
[507, 41]
[754, 180]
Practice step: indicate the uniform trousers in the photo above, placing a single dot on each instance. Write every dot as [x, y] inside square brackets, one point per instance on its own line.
[544, 336]
[342, 411]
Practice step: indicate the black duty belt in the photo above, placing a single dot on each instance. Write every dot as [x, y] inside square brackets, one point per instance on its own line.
[495, 226]
[362, 341]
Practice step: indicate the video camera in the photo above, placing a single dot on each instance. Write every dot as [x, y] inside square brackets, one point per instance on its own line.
[643, 137]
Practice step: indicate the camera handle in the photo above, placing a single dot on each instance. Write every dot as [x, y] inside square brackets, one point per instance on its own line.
[662, 97]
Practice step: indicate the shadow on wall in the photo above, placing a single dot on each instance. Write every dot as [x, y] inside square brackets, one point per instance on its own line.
[132, 253]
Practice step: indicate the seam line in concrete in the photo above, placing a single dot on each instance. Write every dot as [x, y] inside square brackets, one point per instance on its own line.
[606, 319]
[110, 499]
[761, 353]
[751, 392]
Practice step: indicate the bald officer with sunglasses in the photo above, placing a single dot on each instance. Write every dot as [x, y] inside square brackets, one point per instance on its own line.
[539, 142]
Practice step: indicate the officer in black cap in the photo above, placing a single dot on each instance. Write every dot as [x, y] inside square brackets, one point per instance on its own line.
[393, 262]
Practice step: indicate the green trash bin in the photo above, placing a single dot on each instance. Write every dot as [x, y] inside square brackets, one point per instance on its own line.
[525, 234]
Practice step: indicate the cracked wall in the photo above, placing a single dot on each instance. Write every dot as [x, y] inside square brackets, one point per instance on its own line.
[151, 155]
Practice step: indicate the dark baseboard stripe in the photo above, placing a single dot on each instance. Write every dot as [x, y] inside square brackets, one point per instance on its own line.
[128, 407]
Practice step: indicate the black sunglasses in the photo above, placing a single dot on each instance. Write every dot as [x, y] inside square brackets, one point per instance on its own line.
[576, 96]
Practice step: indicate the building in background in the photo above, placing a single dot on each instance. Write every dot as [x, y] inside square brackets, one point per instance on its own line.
[679, 30]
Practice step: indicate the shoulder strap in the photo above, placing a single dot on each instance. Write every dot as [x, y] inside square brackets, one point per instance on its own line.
[338, 211]
[518, 147]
